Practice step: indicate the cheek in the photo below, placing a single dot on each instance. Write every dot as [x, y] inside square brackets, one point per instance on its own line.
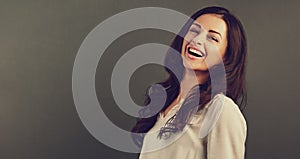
[183, 46]
[215, 55]
[186, 41]
[188, 38]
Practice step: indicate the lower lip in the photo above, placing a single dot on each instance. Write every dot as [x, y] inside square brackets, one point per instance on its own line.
[192, 57]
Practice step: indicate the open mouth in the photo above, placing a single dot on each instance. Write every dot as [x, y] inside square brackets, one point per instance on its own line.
[195, 52]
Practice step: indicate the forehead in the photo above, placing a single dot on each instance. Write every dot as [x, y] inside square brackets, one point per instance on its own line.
[212, 22]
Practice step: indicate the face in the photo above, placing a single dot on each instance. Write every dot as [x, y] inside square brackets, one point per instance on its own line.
[205, 43]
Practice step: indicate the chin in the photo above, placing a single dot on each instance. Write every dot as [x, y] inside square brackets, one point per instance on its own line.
[196, 68]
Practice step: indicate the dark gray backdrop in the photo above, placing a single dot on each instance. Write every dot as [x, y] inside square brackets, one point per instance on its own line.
[39, 40]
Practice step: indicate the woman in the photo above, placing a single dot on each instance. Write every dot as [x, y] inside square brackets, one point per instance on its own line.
[200, 117]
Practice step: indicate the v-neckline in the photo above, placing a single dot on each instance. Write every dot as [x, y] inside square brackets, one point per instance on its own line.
[174, 108]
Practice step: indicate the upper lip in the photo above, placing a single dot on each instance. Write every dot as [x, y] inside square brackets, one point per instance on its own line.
[194, 47]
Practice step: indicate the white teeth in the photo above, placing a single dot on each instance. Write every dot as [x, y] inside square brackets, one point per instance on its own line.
[195, 51]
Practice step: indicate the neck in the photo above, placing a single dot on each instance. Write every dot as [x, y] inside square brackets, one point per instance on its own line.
[190, 79]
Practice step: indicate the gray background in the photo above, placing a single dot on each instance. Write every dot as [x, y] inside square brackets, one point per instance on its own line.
[39, 41]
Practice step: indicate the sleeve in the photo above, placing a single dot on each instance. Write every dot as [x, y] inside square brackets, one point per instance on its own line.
[228, 136]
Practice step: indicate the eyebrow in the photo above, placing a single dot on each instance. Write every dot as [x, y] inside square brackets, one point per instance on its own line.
[212, 31]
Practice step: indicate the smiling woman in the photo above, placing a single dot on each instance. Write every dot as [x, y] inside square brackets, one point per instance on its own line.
[203, 42]
[194, 125]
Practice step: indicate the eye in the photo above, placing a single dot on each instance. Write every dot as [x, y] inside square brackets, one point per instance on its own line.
[194, 31]
[213, 38]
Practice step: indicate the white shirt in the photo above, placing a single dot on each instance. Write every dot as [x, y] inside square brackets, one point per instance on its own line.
[218, 131]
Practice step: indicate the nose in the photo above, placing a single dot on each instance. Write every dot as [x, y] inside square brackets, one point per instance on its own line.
[199, 39]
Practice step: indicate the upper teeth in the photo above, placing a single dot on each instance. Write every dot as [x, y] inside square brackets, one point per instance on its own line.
[195, 51]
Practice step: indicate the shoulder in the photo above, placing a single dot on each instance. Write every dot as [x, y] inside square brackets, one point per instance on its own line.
[230, 111]
[231, 116]
[223, 114]
[228, 135]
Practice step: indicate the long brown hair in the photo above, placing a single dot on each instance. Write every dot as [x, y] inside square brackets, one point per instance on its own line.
[234, 64]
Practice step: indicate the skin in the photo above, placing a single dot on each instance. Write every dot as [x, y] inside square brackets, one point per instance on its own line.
[207, 34]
